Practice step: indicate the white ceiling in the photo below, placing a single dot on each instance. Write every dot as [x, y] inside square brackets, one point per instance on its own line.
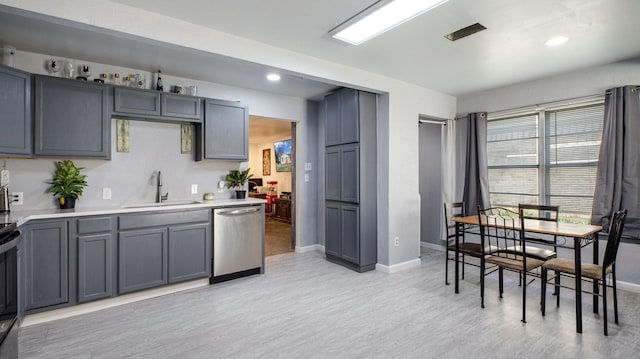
[511, 50]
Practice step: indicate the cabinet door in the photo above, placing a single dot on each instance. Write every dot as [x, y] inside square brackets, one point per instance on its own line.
[349, 116]
[95, 265]
[350, 173]
[332, 125]
[72, 118]
[189, 252]
[350, 233]
[15, 116]
[136, 102]
[226, 130]
[142, 259]
[47, 270]
[332, 174]
[181, 106]
[332, 229]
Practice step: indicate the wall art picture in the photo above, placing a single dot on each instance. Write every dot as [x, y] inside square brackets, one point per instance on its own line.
[186, 136]
[122, 135]
[266, 162]
[282, 150]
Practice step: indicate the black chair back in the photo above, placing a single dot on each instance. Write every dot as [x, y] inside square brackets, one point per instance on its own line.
[615, 235]
[452, 210]
[499, 229]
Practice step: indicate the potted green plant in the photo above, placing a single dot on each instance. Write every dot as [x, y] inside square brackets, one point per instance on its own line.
[67, 183]
[237, 180]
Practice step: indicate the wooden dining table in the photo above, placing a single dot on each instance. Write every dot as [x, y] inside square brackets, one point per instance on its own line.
[582, 235]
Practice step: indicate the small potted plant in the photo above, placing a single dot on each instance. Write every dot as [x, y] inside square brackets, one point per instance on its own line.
[67, 183]
[237, 180]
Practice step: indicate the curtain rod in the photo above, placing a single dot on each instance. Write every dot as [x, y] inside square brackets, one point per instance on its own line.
[633, 89]
[548, 105]
[433, 121]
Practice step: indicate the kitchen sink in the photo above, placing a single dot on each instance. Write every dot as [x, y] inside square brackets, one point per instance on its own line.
[163, 204]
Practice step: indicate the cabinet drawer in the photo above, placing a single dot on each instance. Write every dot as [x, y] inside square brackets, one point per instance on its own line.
[142, 220]
[136, 102]
[94, 225]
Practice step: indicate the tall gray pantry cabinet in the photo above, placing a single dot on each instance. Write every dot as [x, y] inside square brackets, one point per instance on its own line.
[350, 179]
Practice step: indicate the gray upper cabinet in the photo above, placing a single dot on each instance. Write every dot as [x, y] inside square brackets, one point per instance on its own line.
[342, 176]
[342, 124]
[71, 118]
[47, 271]
[96, 258]
[156, 106]
[226, 130]
[15, 116]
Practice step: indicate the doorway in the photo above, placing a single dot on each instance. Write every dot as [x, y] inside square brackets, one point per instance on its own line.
[272, 164]
[430, 178]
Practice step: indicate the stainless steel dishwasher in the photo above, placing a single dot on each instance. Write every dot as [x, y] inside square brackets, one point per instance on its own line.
[238, 242]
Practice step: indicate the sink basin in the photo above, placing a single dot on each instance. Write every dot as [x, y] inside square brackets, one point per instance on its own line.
[163, 204]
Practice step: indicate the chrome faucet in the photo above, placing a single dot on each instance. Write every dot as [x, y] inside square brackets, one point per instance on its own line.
[159, 196]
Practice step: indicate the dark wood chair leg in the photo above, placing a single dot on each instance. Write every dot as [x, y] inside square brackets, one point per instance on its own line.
[500, 282]
[446, 265]
[615, 294]
[463, 265]
[482, 264]
[557, 286]
[543, 298]
[604, 304]
[524, 297]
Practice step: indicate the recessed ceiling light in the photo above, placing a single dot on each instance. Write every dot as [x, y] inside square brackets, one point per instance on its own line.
[273, 77]
[558, 40]
[371, 23]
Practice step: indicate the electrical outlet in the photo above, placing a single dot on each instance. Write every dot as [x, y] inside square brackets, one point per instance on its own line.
[306, 177]
[194, 189]
[18, 198]
[106, 193]
[396, 242]
[307, 166]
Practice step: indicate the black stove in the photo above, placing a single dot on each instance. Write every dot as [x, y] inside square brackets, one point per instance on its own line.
[6, 228]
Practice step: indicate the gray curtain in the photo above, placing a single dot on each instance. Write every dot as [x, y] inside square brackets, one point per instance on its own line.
[476, 174]
[618, 178]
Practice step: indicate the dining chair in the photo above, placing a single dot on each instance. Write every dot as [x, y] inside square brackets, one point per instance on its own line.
[473, 249]
[567, 267]
[541, 213]
[503, 228]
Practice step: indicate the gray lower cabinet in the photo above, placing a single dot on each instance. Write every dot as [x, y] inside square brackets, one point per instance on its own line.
[342, 233]
[71, 118]
[96, 257]
[226, 130]
[142, 259]
[15, 116]
[189, 252]
[154, 105]
[47, 258]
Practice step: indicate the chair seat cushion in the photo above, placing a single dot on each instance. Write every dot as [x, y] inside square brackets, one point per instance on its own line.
[513, 262]
[566, 265]
[472, 249]
[534, 252]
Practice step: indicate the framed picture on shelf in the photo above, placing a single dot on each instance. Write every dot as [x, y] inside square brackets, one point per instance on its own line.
[282, 150]
[266, 162]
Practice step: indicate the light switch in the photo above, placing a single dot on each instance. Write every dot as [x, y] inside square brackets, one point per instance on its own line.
[306, 177]
[307, 166]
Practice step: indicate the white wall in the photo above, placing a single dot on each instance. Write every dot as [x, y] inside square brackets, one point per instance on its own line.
[400, 213]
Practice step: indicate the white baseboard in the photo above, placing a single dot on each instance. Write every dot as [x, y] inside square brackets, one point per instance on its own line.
[313, 247]
[398, 267]
[38, 318]
[629, 287]
[432, 246]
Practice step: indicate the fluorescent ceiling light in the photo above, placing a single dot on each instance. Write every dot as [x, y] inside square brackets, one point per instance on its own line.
[385, 18]
[273, 77]
[559, 40]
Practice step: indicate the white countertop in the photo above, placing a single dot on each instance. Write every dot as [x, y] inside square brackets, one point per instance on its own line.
[21, 217]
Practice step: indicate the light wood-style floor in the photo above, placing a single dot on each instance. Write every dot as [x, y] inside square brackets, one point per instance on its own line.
[277, 237]
[306, 307]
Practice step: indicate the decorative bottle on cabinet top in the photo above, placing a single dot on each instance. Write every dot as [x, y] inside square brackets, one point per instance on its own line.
[159, 86]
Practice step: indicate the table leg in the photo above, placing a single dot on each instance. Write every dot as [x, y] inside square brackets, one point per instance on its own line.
[576, 250]
[596, 287]
[457, 253]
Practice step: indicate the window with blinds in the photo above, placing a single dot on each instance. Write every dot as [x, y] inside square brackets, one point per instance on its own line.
[546, 157]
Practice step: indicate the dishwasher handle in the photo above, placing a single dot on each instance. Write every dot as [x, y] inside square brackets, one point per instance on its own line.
[237, 212]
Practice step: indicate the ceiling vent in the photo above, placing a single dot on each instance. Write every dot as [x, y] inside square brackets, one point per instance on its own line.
[464, 32]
